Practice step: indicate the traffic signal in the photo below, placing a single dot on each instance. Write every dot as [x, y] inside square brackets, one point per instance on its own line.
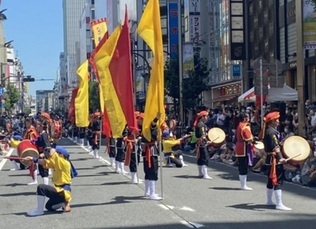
[28, 79]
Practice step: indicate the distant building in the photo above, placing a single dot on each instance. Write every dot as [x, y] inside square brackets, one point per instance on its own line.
[44, 100]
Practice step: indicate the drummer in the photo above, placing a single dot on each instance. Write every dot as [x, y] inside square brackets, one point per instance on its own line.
[244, 149]
[274, 159]
[59, 195]
[201, 152]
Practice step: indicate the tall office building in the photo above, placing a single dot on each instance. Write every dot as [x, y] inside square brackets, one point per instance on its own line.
[72, 11]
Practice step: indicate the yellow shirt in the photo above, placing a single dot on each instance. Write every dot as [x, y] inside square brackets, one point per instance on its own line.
[168, 144]
[61, 173]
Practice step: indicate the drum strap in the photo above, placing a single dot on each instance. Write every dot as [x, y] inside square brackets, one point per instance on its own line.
[273, 175]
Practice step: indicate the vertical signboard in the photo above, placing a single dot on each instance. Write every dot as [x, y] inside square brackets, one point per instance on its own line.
[309, 25]
[188, 59]
[237, 30]
[194, 20]
[173, 29]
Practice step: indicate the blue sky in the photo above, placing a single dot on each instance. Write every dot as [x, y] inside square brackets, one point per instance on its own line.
[36, 26]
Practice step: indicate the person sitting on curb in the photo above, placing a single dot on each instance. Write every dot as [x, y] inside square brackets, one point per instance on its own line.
[60, 195]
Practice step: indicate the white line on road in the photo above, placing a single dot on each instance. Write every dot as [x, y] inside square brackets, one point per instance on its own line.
[2, 163]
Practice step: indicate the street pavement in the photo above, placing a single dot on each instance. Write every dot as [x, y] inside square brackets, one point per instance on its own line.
[105, 199]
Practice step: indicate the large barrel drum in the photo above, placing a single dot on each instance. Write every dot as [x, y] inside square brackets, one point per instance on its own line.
[217, 136]
[27, 148]
[296, 149]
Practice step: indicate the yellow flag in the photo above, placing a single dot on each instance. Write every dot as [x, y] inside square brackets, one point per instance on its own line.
[112, 106]
[99, 30]
[82, 98]
[149, 29]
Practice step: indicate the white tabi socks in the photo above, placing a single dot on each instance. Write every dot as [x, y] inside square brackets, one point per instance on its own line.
[182, 161]
[117, 167]
[134, 179]
[40, 207]
[200, 171]
[243, 183]
[121, 164]
[112, 161]
[279, 204]
[35, 178]
[147, 188]
[152, 188]
[45, 180]
[269, 197]
[96, 153]
[204, 172]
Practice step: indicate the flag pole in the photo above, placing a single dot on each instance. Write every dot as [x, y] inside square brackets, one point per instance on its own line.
[136, 156]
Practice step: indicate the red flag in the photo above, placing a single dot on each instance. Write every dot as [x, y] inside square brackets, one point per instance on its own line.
[106, 128]
[71, 112]
[121, 72]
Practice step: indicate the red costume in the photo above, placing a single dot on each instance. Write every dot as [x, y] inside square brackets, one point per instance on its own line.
[243, 135]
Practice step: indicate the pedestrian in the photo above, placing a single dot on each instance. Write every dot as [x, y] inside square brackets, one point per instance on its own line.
[274, 160]
[59, 195]
[244, 149]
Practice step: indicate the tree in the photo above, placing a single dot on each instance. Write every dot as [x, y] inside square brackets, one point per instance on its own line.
[193, 86]
[12, 96]
[94, 99]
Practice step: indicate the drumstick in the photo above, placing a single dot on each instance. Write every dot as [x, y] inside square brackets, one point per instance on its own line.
[214, 139]
[290, 158]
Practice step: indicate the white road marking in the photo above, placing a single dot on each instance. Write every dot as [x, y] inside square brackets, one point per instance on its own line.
[196, 225]
[184, 208]
[185, 223]
[2, 163]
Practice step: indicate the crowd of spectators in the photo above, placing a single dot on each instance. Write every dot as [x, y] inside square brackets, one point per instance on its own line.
[226, 118]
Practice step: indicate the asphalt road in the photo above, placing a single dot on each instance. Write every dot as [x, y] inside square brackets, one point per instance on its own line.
[104, 199]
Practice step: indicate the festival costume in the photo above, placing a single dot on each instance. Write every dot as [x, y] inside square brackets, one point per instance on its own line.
[41, 143]
[96, 136]
[150, 155]
[201, 151]
[82, 135]
[244, 151]
[171, 156]
[132, 144]
[59, 195]
[111, 150]
[275, 169]
[32, 135]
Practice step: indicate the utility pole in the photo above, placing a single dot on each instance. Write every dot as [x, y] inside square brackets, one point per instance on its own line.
[300, 67]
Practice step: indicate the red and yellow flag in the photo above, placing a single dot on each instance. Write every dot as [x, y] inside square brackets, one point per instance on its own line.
[149, 28]
[82, 98]
[101, 58]
[121, 72]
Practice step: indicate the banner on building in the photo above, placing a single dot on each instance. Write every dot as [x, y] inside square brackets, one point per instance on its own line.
[188, 59]
[173, 29]
[99, 29]
[309, 25]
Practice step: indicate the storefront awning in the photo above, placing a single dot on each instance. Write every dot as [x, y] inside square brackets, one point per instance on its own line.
[224, 98]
